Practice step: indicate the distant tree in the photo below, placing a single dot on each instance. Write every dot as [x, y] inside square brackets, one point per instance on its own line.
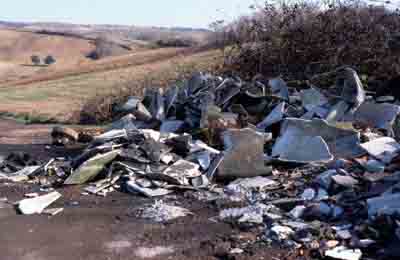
[49, 60]
[106, 47]
[35, 60]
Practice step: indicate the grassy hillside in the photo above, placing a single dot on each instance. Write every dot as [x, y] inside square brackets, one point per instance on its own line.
[16, 48]
[62, 97]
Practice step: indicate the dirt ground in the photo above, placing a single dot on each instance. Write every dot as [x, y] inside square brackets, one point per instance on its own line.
[108, 228]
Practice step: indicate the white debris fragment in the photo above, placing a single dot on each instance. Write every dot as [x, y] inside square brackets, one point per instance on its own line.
[344, 253]
[238, 189]
[280, 233]
[308, 194]
[161, 212]
[236, 251]
[38, 204]
[251, 214]
[32, 195]
[53, 211]
[384, 148]
[297, 212]
[151, 252]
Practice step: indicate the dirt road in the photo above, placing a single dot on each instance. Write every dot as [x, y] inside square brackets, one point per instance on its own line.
[98, 228]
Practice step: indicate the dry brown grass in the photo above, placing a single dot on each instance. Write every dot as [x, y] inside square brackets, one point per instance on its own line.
[63, 97]
[16, 48]
[111, 63]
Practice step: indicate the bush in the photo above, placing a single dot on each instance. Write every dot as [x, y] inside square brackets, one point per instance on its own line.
[105, 48]
[301, 38]
[176, 42]
[49, 60]
[35, 60]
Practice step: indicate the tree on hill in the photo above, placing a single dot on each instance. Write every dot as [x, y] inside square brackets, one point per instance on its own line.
[35, 60]
[49, 60]
[105, 48]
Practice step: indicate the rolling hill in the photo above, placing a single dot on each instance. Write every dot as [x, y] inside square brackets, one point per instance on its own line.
[60, 89]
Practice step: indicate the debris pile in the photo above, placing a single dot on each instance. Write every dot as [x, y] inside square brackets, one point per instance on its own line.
[316, 170]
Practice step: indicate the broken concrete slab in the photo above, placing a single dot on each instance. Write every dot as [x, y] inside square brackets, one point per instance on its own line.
[337, 112]
[351, 85]
[126, 122]
[244, 155]
[275, 116]
[154, 150]
[345, 181]
[170, 98]
[292, 146]
[141, 113]
[171, 126]
[384, 205]
[135, 106]
[298, 136]
[215, 163]
[226, 91]
[297, 212]
[204, 159]
[131, 104]
[381, 116]
[325, 178]
[180, 172]
[90, 168]
[312, 98]
[279, 88]
[154, 102]
[384, 148]
[38, 204]
[148, 192]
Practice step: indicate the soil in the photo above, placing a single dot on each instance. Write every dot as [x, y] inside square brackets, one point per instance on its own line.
[93, 227]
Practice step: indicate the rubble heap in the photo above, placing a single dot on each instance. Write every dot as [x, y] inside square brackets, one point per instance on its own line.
[316, 168]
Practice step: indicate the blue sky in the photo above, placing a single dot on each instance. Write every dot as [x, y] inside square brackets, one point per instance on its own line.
[191, 13]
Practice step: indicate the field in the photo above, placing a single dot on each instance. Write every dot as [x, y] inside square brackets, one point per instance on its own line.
[58, 91]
